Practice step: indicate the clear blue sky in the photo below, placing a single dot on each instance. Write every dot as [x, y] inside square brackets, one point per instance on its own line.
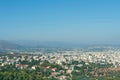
[85, 21]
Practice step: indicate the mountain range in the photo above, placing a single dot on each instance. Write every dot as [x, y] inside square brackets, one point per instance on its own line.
[4, 44]
[9, 45]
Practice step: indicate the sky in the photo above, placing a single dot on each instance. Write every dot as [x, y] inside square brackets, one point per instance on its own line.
[83, 21]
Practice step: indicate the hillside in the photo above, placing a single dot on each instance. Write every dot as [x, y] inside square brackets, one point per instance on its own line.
[8, 45]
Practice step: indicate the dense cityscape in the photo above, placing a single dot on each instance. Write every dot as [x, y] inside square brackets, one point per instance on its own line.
[93, 63]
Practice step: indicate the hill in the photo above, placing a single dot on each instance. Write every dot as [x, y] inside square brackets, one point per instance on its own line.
[8, 45]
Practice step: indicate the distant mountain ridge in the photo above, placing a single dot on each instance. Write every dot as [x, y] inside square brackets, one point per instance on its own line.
[45, 44]
[8, 45]
[60, 44]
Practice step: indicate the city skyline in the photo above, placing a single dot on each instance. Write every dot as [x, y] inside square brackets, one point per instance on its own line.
[68, 21]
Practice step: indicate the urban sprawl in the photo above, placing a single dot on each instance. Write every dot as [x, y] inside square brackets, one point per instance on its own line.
[74, 64]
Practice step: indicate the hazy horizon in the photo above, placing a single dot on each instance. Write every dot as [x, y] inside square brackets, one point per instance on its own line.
[88, 21]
